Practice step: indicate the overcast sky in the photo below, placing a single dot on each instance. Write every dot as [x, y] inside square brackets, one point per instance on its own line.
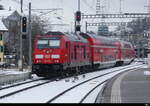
[87, 7]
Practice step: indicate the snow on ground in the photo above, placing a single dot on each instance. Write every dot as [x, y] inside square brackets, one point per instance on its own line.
[44, 93]
[12, 71]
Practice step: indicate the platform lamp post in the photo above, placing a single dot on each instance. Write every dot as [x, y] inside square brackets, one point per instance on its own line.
[20, 62]
[30, 38]
[148, 60]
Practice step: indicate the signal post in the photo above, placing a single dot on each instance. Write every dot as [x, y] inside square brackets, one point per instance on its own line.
[23, 32]
[77, 21]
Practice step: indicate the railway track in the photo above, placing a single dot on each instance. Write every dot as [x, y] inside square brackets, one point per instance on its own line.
[17, 88]
[102, 79]
[21, 83]
[10, 91]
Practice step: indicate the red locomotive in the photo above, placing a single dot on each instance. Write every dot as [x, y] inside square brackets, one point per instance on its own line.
[58, 53]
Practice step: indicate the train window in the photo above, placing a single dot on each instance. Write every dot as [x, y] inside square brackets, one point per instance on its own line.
[72, 55]
[84, 52]
[75, 52]
[42, 44]
[66, 44]
[54, 43]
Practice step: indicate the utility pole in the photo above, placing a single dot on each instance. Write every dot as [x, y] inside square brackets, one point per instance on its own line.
[30, 38]
[20, 63]
[78, 5]
[120, 6]
[148, 6]
[100, 10]
[99, 7]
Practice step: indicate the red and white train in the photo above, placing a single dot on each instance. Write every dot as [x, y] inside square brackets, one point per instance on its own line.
[57, 53]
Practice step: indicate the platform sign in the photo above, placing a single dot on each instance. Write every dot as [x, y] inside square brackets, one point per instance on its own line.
[148, 60]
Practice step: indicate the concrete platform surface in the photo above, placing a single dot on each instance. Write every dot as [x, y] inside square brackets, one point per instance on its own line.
[128, 87]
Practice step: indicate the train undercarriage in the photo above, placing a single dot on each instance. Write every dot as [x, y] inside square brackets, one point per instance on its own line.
[54, 70]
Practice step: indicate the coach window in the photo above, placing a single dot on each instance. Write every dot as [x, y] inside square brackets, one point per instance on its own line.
[66, 44]
[72, 55]
[84, 51]
[75, 52]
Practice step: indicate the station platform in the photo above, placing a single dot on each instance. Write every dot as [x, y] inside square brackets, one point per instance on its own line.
[9, 76]
[129, 87]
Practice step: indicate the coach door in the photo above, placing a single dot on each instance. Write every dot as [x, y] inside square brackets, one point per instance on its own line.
[68, 45]
[101, 54]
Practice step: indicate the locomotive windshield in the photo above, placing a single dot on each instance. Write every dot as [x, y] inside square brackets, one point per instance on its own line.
[41, 44]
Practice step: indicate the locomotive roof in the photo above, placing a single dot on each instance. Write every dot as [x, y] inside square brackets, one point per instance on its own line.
[70, 36]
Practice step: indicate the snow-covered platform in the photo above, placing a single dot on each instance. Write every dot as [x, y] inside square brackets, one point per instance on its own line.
[8, 76]
[129, 87]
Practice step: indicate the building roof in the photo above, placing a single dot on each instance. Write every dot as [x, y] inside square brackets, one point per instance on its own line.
[5, 13]
[2, 27]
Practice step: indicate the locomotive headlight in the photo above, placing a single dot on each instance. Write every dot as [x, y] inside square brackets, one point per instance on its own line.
[39, 56]
[55, 56]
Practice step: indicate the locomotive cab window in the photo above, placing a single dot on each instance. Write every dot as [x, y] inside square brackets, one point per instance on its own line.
[41, 44]
[54, 43]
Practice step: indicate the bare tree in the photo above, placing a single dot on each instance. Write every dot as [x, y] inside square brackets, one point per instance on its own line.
[39, 27]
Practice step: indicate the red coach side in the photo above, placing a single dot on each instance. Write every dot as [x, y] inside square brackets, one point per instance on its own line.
[126, 52]
[103, 50]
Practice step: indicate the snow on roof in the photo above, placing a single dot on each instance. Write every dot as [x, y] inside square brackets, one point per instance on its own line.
[2, 26]
[5, 13]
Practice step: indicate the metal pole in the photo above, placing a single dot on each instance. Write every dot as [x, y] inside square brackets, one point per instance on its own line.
[86, 27]
[75, 24]
[21, 6]
[149, 7]
[78, 22]
[120, 7]
[21, 54]
[78, 5]
[30, 38]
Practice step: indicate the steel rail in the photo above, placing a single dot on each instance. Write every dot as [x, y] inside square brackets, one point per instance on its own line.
[69, 89]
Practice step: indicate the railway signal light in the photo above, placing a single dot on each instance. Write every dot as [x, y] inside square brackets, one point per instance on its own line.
[24, 24]
[24, 27]
[78, 16]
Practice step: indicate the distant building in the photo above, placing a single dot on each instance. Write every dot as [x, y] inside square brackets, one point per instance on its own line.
[11, 20]
[2, 30]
